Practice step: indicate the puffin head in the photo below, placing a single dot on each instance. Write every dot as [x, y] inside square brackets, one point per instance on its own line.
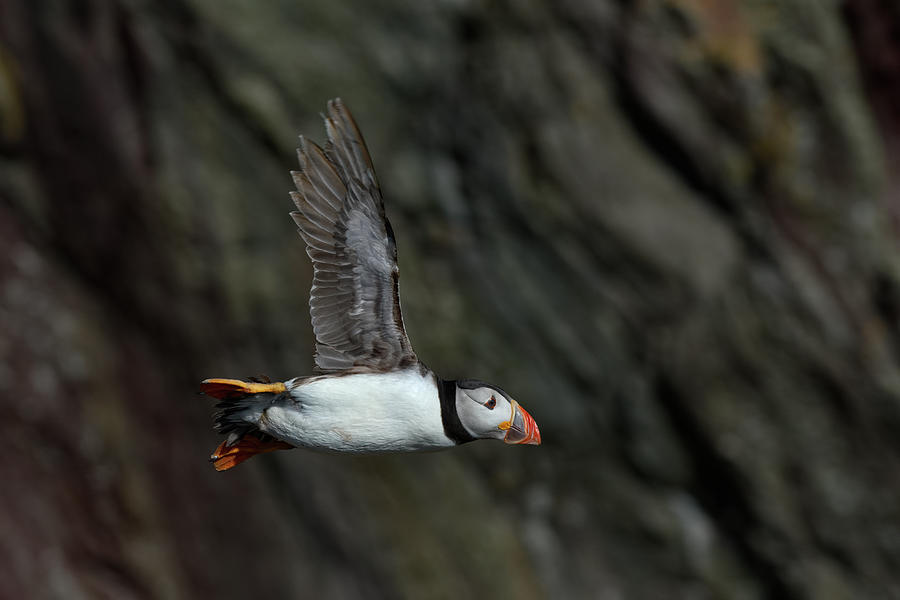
[487, 412]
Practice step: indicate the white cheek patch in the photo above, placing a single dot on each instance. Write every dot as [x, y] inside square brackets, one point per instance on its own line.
[512, 417]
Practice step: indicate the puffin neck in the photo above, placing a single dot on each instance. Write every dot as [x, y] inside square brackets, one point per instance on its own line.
[453, 427]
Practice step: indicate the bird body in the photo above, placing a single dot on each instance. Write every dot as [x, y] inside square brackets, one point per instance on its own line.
[372, 394]
[394, 411]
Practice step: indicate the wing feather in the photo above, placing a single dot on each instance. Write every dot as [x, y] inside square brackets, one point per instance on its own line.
[354, 300]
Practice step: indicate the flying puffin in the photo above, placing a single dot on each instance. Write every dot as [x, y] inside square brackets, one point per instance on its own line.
[371, 393]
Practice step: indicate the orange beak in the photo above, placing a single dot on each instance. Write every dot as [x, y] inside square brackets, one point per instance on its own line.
[521, 428]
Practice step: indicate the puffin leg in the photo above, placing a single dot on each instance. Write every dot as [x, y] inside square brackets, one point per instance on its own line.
[224, 389]
[248, 446]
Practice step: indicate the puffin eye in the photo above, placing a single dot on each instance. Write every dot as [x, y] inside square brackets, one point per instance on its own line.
[491, 403]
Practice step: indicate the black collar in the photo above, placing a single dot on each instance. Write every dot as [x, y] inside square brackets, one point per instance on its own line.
[453, 427]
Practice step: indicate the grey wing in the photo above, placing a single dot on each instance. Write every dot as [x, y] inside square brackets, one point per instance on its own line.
[354, 301]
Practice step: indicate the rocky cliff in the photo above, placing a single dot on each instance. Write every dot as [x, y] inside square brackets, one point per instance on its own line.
[668, 227]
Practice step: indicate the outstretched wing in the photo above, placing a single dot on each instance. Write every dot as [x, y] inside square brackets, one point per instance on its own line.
[354, 301]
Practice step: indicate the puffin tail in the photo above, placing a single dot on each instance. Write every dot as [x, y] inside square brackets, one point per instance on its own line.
[240, 406]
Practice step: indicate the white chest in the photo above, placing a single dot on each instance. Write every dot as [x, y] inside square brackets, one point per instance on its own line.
[369, 412]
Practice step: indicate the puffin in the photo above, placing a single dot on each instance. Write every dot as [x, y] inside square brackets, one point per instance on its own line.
[369, 392]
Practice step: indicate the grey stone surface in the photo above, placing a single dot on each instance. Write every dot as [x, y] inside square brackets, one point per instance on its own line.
[667, 227]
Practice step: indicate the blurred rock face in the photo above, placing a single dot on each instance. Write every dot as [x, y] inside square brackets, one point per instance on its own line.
[667, 227]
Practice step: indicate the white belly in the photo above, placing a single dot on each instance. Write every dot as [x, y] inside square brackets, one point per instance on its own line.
[369, 412]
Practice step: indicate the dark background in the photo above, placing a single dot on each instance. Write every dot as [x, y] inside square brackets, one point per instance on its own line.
[668, 227]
